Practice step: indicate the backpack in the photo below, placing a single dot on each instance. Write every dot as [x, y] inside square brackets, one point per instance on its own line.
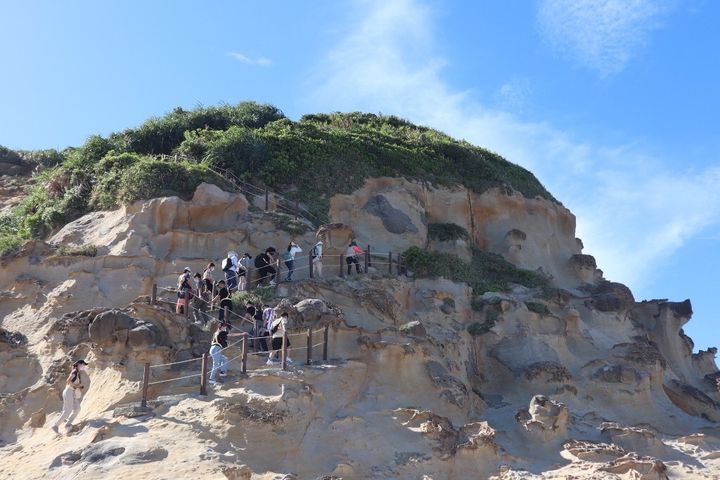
[226, 264]
[274, 329]
[314, 252]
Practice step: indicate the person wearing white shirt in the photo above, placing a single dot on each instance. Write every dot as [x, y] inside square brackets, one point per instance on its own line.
[277, 329]
[289, 257]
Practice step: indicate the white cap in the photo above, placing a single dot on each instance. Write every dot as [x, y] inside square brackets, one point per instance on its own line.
[187, 269]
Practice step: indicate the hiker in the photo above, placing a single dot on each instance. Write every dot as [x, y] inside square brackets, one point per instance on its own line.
[277, 330]
[316, 254]
[218, 344]
[72, 396]
[229, 267]
[209, 278]
[184, 286]
[352, 256]
[222, 295]
[244, 272]
[201, 300]
[261, 343]
[264, 263]
[289, 258]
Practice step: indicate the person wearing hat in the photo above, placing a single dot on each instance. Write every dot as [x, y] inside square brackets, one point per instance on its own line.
[316, 254]
[72, 396]
[184, 285]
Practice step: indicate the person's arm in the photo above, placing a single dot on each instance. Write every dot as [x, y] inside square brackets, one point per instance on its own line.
[69, 381]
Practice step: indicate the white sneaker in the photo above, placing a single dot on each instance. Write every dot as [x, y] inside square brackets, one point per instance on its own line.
[289, 360]
[223, 374]
[55, 429]
[272, 283]
[270, 362]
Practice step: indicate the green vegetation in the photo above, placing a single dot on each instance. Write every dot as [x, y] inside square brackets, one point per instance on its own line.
[80, 251]
[260, 295]
[538, 307]
[487, 272]
[307, 161]
[289, 224]
[447, 231]
[492, 315]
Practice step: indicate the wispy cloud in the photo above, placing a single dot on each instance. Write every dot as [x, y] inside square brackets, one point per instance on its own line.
[603, 35]
[633, 210]
[241, 57]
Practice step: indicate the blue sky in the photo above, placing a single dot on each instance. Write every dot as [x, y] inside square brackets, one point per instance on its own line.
[611, 103]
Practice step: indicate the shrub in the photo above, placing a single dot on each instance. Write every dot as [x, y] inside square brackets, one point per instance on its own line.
[447, 231]
[76, 251]
[259, 296]
[289, 224]
[537, 307]
[486, 272]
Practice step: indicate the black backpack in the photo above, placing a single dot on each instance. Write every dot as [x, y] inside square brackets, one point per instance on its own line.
[226, 264]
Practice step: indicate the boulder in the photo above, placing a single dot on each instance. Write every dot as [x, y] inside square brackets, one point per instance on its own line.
[611, 297]
[692, 401]
[311, 310]
[110, 327]
[414, 328]
[144, 335]
[545, 417]
[394, 220]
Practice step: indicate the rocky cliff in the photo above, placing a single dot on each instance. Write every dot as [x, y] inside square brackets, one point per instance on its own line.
[426, 378]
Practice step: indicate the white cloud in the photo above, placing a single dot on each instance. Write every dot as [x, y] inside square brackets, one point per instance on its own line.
[241, 57]
[603, 35]
[633, 211]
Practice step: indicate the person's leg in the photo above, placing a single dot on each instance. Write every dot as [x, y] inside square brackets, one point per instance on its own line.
[74, 413]
[263, 345]
[290, 264]
[215, 353]
[272, 273]
[242, 280]
[68, 397]
[348, 261]
[357, 265]
[319, 267]
[223, 364]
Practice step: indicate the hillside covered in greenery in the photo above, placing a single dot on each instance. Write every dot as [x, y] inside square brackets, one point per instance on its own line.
[309, 161]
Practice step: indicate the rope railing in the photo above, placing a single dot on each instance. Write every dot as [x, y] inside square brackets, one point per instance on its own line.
[242, 357]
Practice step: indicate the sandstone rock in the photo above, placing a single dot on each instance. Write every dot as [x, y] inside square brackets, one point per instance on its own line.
[394, 220]
[110, 327]
[611, 297]
[544, 416]
[311, 310]
[414, 328]
[453, 390]
[549, 372]
[144, 335]
[642, 468]
[37, 419]
[692, 401]
[594, 452]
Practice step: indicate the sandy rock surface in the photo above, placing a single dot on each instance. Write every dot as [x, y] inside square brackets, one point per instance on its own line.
[588, 383]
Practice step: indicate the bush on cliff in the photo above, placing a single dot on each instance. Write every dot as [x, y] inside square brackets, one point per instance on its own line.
[308, 161]
[486, 272]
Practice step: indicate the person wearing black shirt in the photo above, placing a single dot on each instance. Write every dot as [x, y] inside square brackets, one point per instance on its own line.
[223, 297]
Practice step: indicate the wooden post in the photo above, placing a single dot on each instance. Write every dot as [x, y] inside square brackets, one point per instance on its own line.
[399, 265]
[267, 200]
[310, 261]
[342, 265]
[153, 295]
[187, 303]
[367, 260]
[226, 316]
[284, 351]
[390, 262]
[309, 347]
[243, 362]
[369, 257]
[325, 342]
[146, 382]
[203, 375]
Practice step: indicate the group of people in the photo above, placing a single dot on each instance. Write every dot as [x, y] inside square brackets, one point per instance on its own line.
[264, 324]
[205, 292]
